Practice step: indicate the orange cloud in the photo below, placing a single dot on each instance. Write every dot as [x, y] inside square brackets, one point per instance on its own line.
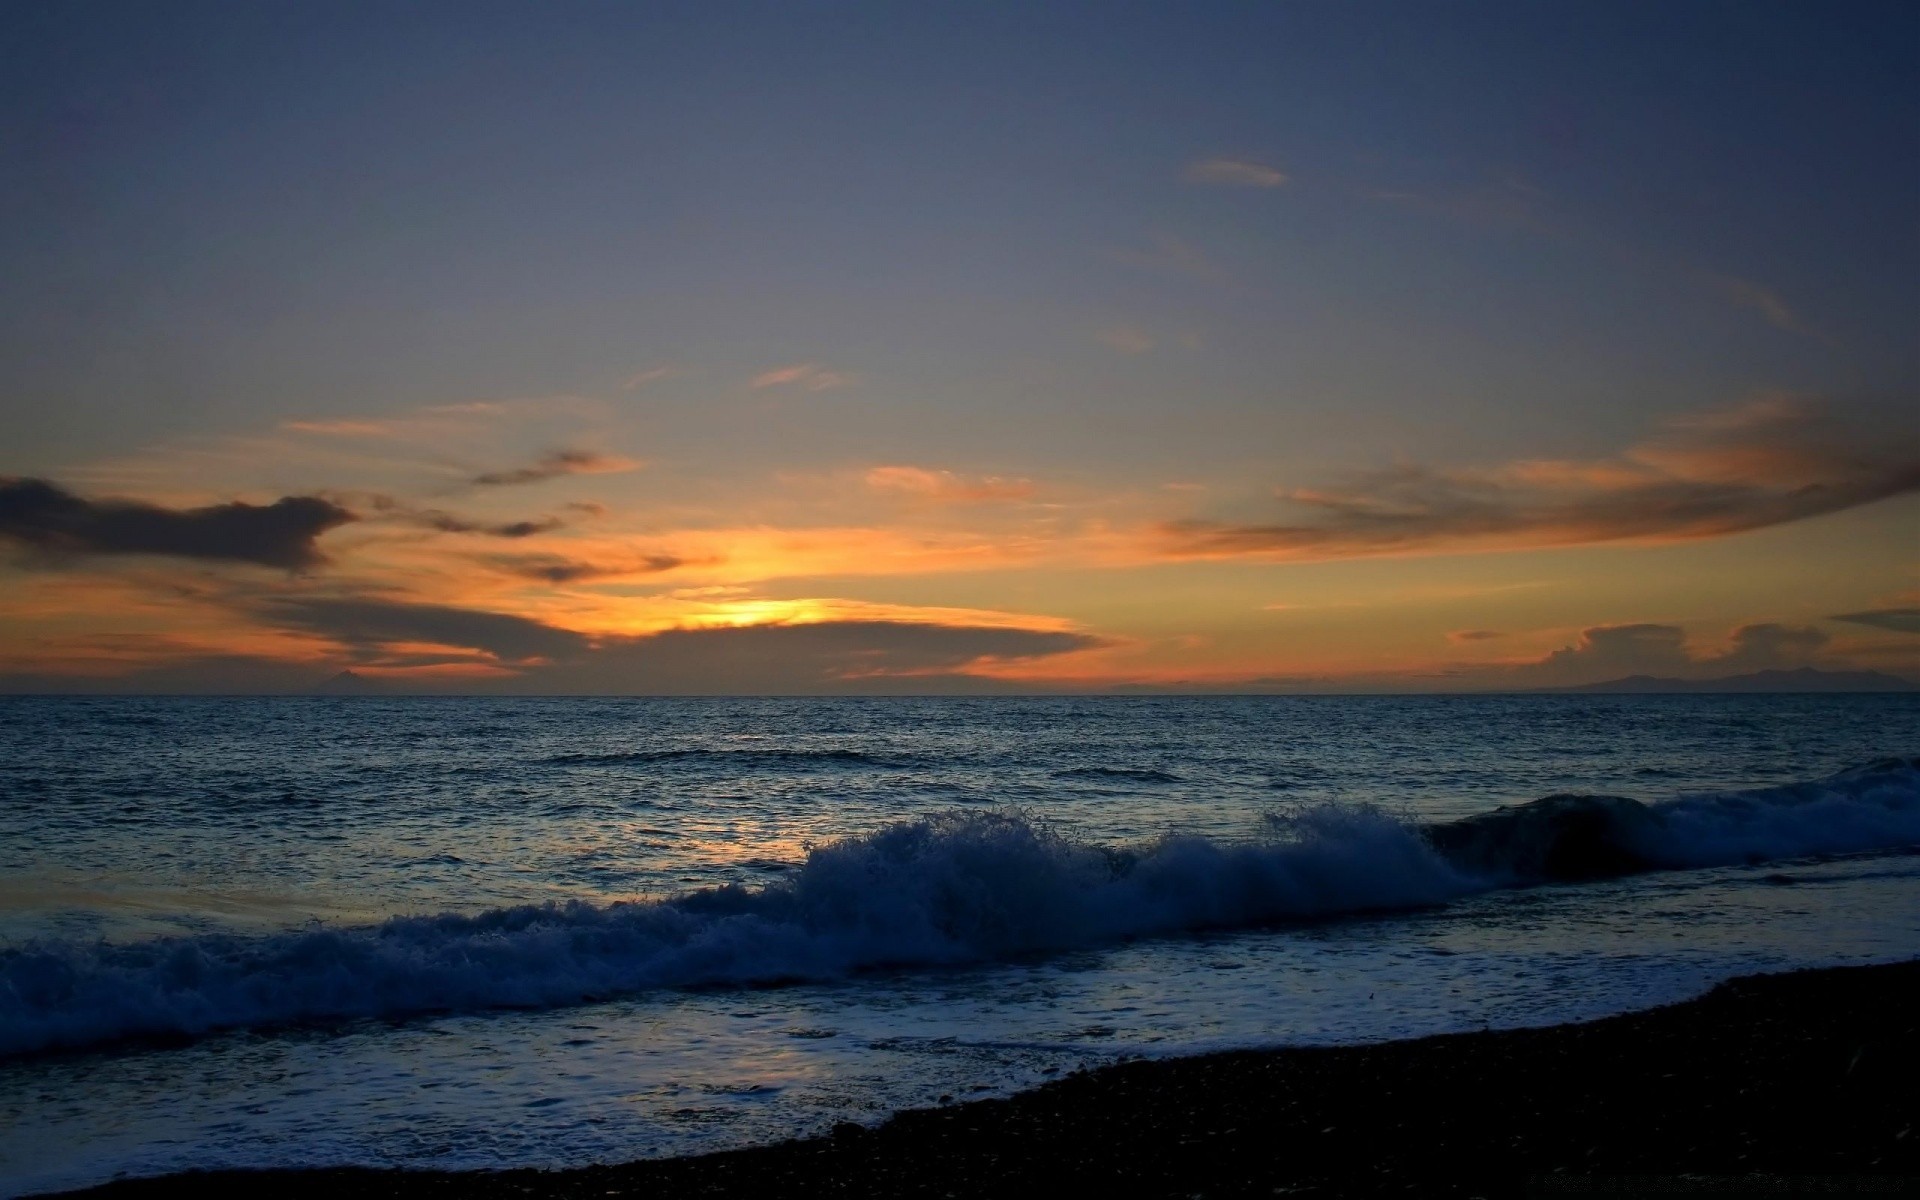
[640, 379]
[1769, 463]
[946, 487]
[808, 377]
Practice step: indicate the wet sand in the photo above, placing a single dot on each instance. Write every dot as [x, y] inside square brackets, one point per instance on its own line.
[1784, 1085]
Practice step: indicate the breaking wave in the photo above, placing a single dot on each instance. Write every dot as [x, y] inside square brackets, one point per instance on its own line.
[957, 888]
[1570, 838]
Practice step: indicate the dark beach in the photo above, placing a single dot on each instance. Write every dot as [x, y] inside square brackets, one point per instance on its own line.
[1784, 1085]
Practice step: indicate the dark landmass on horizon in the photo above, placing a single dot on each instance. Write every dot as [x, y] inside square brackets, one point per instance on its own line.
[348, 682]
[1803, 1075]
[1805, 679]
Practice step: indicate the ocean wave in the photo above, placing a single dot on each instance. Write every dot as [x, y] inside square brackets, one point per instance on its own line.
[1124, 774]
[782, 758]
[957, 888]
[1580, 837]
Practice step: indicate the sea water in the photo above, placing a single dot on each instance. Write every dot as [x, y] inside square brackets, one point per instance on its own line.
[440, 932]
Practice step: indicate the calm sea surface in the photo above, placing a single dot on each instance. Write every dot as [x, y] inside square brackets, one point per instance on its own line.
[462, 932]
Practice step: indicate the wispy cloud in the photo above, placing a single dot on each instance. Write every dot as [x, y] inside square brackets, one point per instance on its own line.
[393, 509]
[807, 377]
[558, 569]
[1758, 298]
[1898, 620]
[1463, 636]
[1500, 199]
[1769, 463]
[446, 522]
[1165, 252]
[1234, 172]
[947, 487]
[1126, 339]
[640, 379]
[554, 465]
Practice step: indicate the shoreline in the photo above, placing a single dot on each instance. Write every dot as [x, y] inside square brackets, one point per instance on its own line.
[1792, 1084]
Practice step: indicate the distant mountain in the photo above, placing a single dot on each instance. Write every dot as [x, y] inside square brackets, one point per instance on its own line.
[346, 683]
[1806, 679]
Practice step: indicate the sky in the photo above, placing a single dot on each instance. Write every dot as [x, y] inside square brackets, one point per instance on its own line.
[805, 347]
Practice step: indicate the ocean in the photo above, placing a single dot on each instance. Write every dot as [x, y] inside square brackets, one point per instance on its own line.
[456, 932]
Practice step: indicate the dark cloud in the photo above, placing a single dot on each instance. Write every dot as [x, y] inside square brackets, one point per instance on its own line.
[446, 522]
[830, 656]
[1474, 635]
[1899, 620]
[370, 624]
[553, 568]
[443, 521]
[1768, 464]
[843, 657]
[552, 466]
[1608, 650]
[53, 521]
[1616, 651]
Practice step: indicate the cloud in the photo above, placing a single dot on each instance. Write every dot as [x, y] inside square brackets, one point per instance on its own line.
[1898, 620]
[371, 625]
[553, 568]
[640, 379]
[1234, 172]
[1768, 463]
[1127, 339]
[53, 521]
[1164, 252]
[1744, 293]
[442, 521]
[1464, 636]
[395, 638]
[554, 465]
[946, 487]
[827, 656]
[1614, 651]
[446, 522]
[1608, 650]
[1769, 645]
[808, 377]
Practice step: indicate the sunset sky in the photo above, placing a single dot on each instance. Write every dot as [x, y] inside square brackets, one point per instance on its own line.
[747, 348]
